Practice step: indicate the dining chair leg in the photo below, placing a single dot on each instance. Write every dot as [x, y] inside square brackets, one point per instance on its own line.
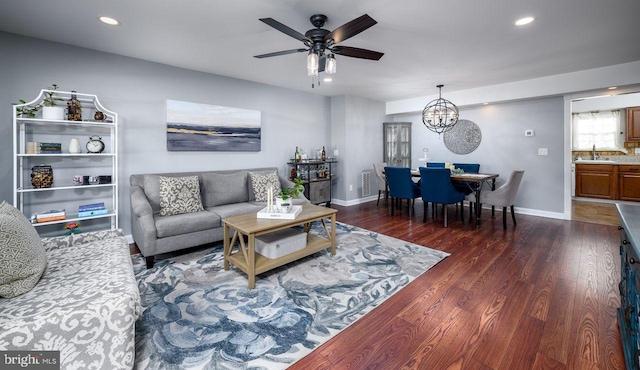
[471, 210]
[445, 214]
[393, 205]
[424, 214]
[504, 218]
[462, 210]
[513, 215]
[379, 193]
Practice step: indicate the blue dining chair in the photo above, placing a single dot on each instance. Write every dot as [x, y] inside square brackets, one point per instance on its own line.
[435, 164]
[436, 187]
[401, 187]
[464, 186]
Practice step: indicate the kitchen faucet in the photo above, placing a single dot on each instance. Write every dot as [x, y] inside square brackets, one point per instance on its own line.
[595, 156]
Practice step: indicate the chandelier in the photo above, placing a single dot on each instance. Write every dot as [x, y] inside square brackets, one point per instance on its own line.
[440, 115]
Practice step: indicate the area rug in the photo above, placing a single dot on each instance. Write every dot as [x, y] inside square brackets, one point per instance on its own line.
[196, 315]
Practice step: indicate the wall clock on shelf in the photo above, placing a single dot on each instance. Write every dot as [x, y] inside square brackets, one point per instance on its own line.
[463, 138]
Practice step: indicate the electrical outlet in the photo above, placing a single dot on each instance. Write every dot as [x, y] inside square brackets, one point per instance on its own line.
[350, 187]
[543, 151]
[637, 150]
[335, 152]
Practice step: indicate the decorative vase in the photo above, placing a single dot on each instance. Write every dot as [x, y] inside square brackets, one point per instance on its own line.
[74, 146]
[53, 113]
[74, 108]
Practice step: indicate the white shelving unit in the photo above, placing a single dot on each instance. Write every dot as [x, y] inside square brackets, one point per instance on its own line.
[63, 194]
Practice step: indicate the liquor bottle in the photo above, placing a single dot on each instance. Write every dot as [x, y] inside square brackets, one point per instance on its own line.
[74, 109]
[297, 155]
[324, 154]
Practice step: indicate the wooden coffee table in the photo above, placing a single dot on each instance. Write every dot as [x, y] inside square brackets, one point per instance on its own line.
[245, 257]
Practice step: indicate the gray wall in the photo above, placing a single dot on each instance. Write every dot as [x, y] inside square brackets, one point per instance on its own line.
[505, 148]
[356, 131]
[137, 90]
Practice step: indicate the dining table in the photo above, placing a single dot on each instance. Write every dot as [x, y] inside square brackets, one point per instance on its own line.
[472, 178]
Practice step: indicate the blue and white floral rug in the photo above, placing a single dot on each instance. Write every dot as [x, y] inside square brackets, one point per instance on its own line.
[196, 315]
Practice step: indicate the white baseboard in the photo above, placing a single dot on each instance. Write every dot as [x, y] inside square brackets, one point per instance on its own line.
[353, 202]
[129, 238]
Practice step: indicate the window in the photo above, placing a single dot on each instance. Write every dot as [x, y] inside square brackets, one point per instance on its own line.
[601, 129]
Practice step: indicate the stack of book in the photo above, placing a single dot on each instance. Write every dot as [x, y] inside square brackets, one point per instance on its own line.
[49, 148]
[93, 209]
[53, 215]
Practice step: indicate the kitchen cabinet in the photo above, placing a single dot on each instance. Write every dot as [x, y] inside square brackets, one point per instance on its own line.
[629, 310]
[397, 144]
[629, 182]
[633, 124]
[597, 181]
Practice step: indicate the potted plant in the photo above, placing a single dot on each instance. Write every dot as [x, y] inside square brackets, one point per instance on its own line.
[49, 108]
[27, 110]
[285, 193]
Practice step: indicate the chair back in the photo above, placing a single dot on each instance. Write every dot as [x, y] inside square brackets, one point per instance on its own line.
[435, 164]
[400, 183]
[509, 189]
[380, 178]
[468, 167]
[436, 186]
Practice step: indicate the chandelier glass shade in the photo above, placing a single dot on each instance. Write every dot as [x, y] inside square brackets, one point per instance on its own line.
[440, 115]
[312, 63]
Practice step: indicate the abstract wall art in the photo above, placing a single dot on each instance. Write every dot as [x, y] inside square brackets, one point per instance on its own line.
[204, 127]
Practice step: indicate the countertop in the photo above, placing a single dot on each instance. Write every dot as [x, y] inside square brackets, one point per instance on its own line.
[630, 219]
[614, 162]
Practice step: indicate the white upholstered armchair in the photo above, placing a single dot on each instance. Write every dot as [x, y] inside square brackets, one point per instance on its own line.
[503, 197]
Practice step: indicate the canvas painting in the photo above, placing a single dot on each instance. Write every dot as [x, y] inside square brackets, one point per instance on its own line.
[204, 127]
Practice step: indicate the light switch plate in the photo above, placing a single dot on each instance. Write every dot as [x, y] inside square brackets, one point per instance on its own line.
[543, 151]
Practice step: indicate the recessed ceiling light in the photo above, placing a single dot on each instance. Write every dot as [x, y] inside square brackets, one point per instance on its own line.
[524, 21]
[613, 87]
[328, 79]
[108, 20]
[485, 103]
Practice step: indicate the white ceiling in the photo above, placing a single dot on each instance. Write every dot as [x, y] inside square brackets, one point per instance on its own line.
[460, 43]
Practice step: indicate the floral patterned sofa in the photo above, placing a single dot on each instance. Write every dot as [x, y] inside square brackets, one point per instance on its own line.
[85, 305]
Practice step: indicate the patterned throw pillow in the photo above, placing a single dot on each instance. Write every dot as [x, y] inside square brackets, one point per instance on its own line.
[22, 255]
[179, 195]
[261, 183]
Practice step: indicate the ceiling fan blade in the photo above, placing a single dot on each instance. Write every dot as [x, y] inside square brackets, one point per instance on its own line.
[350, 29]
[275, 54]
[285, 29]
[348, 51]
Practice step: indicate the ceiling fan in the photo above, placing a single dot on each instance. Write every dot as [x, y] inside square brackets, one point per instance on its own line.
[319, 41]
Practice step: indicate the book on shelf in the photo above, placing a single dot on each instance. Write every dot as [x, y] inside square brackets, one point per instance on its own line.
[52, 218]
[50, 152]
[51, 213]
[95, 212]
[91, 207]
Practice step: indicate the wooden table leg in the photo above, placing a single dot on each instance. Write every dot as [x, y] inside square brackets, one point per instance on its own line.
[333, 234]
[478, 205]
[227, 245]
[252, 261]
[493, 208]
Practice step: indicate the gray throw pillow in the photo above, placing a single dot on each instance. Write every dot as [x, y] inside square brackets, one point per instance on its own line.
[179, 195]
[22, 255]
[261, 183]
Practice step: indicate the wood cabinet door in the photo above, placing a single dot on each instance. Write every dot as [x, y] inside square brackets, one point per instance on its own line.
[596, 181]
[633, 124]
[629, 183]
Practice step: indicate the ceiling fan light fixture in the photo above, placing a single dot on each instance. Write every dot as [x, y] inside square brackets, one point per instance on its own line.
[330, 65]
[440, 115]
[312, 63]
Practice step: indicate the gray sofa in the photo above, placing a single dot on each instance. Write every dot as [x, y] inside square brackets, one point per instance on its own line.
[85, 305]
[224, 194]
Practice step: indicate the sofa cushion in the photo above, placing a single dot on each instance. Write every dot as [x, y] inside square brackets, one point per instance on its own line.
[22, 255]
[179, 195]
[260, 183]
[224, 188]
[185, 223]
[236, 209]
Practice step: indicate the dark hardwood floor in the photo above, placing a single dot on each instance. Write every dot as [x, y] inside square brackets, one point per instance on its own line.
[540, 295]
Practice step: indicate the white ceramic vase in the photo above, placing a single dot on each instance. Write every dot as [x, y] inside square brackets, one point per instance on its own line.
[74, 146]
[53, 113]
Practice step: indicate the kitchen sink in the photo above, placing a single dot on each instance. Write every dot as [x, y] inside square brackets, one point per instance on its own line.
[595, 161]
